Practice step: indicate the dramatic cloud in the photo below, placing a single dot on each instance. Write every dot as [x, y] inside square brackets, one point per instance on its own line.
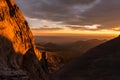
[74, 12]
[46, 28]
[106, 13]
[94, 27]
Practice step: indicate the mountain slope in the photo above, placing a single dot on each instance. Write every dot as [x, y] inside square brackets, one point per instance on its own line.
[17, 45]
[69, 51]
[99, 63]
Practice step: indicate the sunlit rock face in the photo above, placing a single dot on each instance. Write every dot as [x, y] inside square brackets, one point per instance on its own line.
[17, 45]
[14, 27]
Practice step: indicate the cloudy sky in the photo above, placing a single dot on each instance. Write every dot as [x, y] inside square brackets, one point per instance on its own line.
[72, 16]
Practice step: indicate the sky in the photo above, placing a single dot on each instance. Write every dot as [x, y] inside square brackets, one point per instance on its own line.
[68, 17]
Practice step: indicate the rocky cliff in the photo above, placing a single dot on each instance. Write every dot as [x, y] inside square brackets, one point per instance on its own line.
[18, 56]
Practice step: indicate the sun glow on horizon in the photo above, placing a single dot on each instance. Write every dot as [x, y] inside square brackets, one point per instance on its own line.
[69, 32]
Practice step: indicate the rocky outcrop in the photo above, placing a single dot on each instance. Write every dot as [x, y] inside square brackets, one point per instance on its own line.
[18, 55]
[33, 67]
[55, 63]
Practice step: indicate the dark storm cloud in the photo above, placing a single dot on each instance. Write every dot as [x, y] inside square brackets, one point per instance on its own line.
[107, 13]
[74, 12]
[55, 10]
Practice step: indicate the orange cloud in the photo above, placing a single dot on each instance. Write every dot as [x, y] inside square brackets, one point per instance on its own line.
[116, 29]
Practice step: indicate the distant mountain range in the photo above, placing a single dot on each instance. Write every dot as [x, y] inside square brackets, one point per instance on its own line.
[68, 39]
[69, 50]
[99, 63]
[60, 54]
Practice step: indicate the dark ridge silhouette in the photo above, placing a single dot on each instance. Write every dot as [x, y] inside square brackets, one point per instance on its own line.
[99, 63]
[44, 62]
[31, 64]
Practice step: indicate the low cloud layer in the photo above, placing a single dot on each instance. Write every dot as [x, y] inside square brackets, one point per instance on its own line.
[74, 12]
